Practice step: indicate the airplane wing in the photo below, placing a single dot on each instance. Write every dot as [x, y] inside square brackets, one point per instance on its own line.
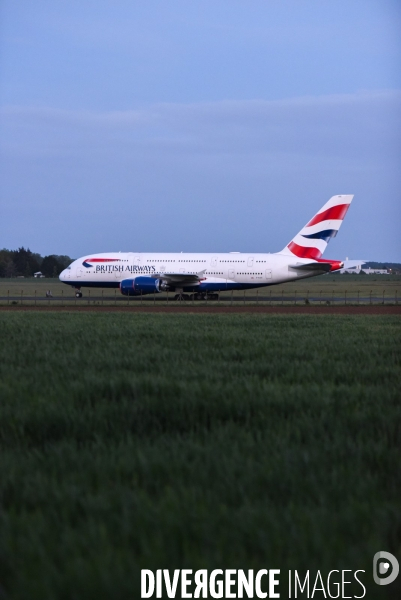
[181, 278]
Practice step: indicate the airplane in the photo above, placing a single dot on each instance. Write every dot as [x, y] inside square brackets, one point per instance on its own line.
[198, 275]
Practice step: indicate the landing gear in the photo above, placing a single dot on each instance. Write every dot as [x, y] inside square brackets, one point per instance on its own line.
[179, 297]
[196, 296]
[78, 294]
[202, 296]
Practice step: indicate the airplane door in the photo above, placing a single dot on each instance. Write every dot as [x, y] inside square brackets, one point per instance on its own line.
[128, 270]
[268, 273]
[213, 262]
[79, 271]
[250, 261]
[231, 273]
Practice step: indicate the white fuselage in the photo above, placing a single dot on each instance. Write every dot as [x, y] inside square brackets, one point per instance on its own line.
[216, 271]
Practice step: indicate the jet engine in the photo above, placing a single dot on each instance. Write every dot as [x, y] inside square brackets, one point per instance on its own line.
[140, 285]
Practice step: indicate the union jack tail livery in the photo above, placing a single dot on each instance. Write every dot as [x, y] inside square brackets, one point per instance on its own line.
[312, 240]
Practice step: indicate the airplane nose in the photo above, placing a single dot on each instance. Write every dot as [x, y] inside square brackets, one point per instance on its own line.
[62, 275]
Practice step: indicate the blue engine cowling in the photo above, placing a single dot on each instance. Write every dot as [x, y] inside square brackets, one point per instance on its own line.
[139, 285]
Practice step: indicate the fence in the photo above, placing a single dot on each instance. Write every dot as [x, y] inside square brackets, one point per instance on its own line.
[263, 297]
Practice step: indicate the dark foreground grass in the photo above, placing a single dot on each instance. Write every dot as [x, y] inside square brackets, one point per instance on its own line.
[195, 441]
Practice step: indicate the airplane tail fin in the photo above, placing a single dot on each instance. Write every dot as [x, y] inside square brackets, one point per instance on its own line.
[312, 240]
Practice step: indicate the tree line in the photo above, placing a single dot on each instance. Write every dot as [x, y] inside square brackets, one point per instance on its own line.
[24, 263]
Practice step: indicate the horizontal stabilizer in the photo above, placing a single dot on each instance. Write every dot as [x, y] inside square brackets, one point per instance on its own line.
[350, 264]
[323, 267]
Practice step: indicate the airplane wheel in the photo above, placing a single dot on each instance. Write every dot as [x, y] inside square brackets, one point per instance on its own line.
[78, 294]
[178, 297]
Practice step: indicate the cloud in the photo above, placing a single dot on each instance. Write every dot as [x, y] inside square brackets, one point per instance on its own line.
[363, 126]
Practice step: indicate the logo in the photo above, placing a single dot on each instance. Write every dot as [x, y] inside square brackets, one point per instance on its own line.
[87, 262]
[386, 564]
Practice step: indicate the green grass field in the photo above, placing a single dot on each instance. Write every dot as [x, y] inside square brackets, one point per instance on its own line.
[194, 441]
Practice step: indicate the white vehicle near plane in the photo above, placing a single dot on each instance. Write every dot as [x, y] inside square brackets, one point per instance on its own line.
[199, 275]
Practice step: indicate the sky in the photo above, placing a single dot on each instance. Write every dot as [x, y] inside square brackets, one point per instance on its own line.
[205, 126]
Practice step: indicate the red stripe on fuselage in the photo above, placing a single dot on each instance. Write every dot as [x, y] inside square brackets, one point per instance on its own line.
[335, 212]
[98, 260]
[300, 252]
[304, 251]
[335, 264]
